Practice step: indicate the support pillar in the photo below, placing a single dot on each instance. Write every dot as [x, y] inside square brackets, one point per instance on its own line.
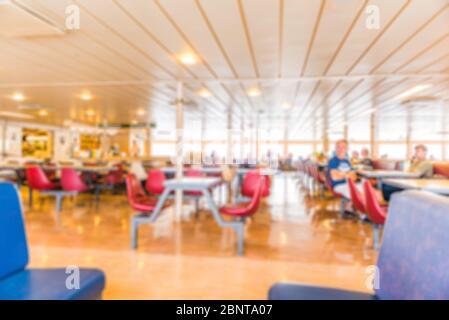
[408, 137]
[229, 153]
[179, 148]
[326, 147]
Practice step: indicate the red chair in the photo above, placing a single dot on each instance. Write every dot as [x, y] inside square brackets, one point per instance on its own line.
[140, 203]
[250, 182]
[137, 198]
[37, 180]
[375, 211]
[155, 182]
[71, 181]
[246, 209]
[358, 203]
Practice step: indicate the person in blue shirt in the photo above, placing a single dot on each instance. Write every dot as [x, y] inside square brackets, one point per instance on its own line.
[340, 168]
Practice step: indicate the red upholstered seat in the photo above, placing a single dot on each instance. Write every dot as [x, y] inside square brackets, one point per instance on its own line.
[358, 202]
[375, 211]
[37, 180]
[248, 208]
[441, 168]
[155, 182]
[250, 183]
[137, 198]
[71, 181]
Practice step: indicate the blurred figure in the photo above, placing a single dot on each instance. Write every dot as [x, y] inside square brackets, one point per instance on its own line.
[340, 169]
[366, 160]
[138, 170]
[418, 164]
[355, 158]
[135, 150]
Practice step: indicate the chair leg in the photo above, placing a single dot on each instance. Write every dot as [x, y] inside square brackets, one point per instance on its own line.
[97, 195]
[134, 233]
[342, 207]
[197, 207]
[240, 231]
[58, 207]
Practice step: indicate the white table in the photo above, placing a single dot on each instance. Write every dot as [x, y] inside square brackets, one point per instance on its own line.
[381, 175]
[440, 186]
[189, 184]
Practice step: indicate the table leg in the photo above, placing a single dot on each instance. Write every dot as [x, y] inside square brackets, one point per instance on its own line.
[238, 226]
[139, 219]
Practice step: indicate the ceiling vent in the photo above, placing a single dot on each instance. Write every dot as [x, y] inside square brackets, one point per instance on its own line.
[20, 21]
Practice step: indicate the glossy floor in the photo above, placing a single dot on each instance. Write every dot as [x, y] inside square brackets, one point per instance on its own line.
[294, 237]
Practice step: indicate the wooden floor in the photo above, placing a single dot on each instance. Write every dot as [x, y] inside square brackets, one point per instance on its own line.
[294, 237]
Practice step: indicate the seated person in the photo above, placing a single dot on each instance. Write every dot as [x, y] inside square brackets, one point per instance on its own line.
[138, 170]
[419, 164]
[366, 159]
[339, 169]
[355, 158]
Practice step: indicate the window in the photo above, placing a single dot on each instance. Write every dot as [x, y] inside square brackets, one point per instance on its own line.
[393, 151]
[359, 129]
[392, 128]
[300, 150]
[163, 149]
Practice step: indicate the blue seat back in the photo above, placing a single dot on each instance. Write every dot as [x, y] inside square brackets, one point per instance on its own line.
[13, 243]
[414, 258]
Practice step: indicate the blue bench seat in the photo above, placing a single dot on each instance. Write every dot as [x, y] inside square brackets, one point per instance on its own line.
[17, 282]
[413, 260]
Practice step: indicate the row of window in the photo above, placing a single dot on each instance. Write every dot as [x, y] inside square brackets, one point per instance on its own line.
[387, 150]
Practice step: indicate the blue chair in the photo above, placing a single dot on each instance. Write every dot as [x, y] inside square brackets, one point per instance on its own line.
[19, 283]
[413, 260]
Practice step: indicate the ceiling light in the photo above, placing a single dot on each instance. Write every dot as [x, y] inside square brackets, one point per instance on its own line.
[90, 113]
[285, 106]
[134, 122]
[141, 112]
[253, 92]
[18, 96]
[413, 90]
[86, 96]
[188, 58]
[204, 93]
[43, 113]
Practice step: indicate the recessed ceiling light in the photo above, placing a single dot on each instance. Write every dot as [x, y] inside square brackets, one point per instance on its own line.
[86, 96]
[253, 92]
[285, 105]
[188, 58]
[18, 96]
[413, 90]
[90, 113]
[134, 122]
[43, 113]
[204, 93]
[141, 112]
